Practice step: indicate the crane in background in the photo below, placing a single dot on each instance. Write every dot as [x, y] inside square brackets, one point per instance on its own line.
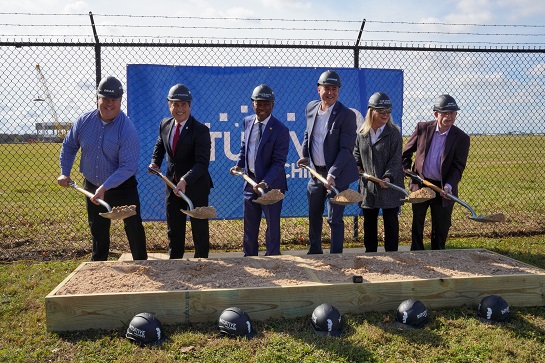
[60, 129]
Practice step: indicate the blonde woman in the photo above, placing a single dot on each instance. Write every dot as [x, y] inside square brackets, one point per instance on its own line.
[378, 153]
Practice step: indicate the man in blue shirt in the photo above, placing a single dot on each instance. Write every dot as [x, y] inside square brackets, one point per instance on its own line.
[110, 151]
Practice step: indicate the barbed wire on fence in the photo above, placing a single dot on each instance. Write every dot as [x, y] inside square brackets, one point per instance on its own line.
[369, 30]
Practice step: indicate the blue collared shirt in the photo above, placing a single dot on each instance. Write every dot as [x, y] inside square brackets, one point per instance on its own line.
[109, 151]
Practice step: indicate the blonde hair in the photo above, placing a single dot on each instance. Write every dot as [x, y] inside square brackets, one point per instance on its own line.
[366, 125]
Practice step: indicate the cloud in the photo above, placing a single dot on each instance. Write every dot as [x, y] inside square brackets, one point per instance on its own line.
[464, 12]
[286, 4]
[522, 8]
[238, 12]
[76, 7]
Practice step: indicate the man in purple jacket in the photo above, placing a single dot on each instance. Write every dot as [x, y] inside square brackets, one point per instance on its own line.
[441, 151]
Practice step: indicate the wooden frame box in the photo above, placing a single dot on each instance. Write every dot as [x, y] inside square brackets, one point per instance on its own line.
[116, 309]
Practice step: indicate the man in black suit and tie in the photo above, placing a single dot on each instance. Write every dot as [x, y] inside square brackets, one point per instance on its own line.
[187, 144]
[441, 151]
[263, 153]
[328, 145]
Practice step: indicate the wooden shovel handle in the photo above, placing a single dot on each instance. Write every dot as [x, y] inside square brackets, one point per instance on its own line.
[390, 185]
[250, 181]
[424, 181]
[372, 178]
[319, 177]
[90, 195]
[173, 186]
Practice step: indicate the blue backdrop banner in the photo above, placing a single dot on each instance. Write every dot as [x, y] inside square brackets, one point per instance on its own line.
[221, 99]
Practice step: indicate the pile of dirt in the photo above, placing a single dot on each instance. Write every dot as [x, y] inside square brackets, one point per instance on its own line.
[286, 270]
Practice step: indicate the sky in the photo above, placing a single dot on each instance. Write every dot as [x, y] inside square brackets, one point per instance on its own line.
[389, 21]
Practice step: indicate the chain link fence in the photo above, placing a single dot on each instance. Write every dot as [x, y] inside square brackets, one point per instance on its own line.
[500, 92]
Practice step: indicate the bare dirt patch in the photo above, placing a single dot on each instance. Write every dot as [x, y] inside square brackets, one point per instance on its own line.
[286, 270]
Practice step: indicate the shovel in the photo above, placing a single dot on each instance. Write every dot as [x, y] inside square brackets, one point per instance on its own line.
[414, 197]
[266, 198]
[346, 197]
[491, 218]
[199, 212]
[121, 212]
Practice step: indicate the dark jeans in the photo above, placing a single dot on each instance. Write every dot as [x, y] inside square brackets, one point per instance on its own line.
[124, 194]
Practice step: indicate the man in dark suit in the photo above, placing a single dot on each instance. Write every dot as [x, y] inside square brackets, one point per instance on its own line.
[263, 154]
[441, 155]
[187, 144]
[328, 144]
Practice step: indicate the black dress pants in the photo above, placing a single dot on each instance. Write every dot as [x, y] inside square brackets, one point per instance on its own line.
[124, 194]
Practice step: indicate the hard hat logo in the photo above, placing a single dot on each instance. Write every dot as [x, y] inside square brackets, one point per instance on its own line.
[228, 325]
[137, 332]
[179, 95]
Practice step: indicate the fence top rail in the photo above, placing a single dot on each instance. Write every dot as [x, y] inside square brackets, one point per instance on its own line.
[275, 45]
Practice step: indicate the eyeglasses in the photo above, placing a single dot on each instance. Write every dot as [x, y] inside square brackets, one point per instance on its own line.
[383, 111]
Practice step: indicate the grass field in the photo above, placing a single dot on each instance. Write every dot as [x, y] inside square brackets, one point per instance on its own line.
[452, 335]
[38, 219]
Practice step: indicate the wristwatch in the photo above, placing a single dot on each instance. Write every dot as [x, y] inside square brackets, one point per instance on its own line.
[266, 185]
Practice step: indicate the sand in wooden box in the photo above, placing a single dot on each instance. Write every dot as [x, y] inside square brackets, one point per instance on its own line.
[108, 294]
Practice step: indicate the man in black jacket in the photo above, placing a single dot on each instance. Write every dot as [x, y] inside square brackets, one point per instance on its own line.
[187, 144]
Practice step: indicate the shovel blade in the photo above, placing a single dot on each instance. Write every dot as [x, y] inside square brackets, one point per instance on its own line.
[491, 218]
[265, 201]
[347, 197]
[415, 200]
[201, 212]
[118, 215]
[271, 197]
[120, 212]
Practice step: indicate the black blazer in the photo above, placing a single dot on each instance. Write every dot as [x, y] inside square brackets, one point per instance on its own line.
[192, 156]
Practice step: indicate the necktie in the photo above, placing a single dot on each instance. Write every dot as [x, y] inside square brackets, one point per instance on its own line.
[260, 124]
[175, 139]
